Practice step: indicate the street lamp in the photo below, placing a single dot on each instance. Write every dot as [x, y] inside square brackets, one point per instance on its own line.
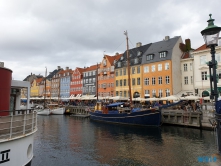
[211, 36]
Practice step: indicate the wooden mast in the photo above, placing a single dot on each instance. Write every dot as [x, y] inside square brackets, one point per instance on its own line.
[45, 87]
[97, 83]
[128, 69]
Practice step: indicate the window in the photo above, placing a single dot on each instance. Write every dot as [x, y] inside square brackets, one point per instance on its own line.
[146, 69]
[154, 93]
[138, 69]
[117, 93]
[167, 92]
[153, 81]
[149, 57]
[125, 82]
[191, 79]
[139, 53]
[185, 80]
[125, 93]
[121, 83]
[119, 64]
[159, 67]
[124, 71]
[167, 79]
[133, 70]
[166, 66]
[133, 81]
[184, 67]
[146, 81]
[160, 80]
[146, 91]
[135, 60]
[116, 73]
[116, 82]
[120, 72]
[153, 68]
[191, 66]
[104, 62]
[121, 58]
[138, 81]
[203, 59]
[204, 75]
[160, 93]
[219, 73]
[163, 54]
[217, 57]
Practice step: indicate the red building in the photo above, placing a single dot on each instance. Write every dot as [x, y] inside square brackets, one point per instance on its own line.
[76, 85]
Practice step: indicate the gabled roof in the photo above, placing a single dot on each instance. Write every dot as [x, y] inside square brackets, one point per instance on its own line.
[112, 58]
[161, 46]
[80, 70]
[38, 80]
[203, 47]
[91, 68]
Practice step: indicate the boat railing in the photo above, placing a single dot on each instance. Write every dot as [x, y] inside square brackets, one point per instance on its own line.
[18, 123]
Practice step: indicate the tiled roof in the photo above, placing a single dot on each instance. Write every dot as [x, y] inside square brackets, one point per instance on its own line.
[93, 67]
[39, 80]
[112, 58]
[203, 47]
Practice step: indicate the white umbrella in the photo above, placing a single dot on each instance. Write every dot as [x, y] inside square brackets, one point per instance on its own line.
[152, 99]
[172, 97]
[138, 99]
[190, 98]
[119, 98]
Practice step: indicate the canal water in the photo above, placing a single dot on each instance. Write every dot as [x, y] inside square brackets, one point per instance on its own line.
[75, 141]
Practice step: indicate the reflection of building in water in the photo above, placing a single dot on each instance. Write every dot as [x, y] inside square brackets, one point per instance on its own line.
[122, 144]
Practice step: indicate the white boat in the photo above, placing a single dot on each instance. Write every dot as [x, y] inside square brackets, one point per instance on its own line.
[43, 111]
[56, 109]
[17, 127]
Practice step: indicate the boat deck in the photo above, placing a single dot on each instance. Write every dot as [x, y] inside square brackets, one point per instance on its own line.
[19, 124]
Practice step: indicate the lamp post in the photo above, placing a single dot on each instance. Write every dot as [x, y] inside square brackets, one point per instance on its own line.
[211, 36]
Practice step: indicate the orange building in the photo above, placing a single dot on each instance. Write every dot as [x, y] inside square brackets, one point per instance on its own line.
[161, 68]
[106, 77]
[77, 81]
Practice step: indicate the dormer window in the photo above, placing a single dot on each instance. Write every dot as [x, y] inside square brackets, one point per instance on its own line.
[121, 58]
[163, 54]
[135, 60]
[139, 53]
[115, 61]
[119, 64]
[150, 57]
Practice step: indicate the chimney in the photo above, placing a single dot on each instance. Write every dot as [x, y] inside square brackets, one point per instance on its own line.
[188, 44]
[1, 64]
[67, 68]
[139, 44]
[116, 53]
[59, 67]
[167, 38]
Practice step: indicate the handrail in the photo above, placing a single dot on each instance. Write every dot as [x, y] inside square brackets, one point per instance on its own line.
[18, 125]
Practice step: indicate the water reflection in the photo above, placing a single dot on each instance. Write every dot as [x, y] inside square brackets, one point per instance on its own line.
[65, 140]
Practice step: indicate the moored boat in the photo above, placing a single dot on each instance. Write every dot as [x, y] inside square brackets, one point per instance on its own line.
[117, 113]
[56, 109]
[17, 127]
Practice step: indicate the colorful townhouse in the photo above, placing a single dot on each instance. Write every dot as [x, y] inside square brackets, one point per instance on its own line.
[90, 77]
[161, 68]
[65, 81]
[76, 86]
[106, 78]
[55, 83]
[121, 72]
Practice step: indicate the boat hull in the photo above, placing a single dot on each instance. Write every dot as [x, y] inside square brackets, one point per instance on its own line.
[43, 112]
[143, 118]
[58, 111]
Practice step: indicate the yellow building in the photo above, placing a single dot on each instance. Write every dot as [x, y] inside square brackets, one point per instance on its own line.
[121, 72]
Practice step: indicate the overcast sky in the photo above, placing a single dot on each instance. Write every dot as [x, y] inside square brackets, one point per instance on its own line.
[35, 34]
